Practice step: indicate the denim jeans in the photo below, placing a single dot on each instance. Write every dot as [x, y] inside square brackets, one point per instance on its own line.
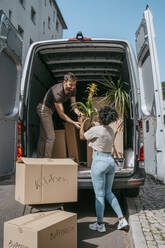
[47, 133]
[102, 173]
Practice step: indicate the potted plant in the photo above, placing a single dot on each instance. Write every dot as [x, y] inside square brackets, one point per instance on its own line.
[87, 108]
[116, 95]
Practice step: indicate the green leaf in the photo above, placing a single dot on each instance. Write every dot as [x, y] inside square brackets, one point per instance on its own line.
[117, 93]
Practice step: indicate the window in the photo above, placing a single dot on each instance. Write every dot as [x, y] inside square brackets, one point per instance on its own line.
[21, 31]
[22, 2]
[57, 25]
[52, 36]
[43, 27]
[10, 14]
[30, 41]
[54, 16]
[50, 1]
[33, 15]
[45, 3]
[147, 126]
[48, 22]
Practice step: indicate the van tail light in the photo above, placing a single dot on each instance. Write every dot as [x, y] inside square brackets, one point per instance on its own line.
[19, 148]
[141, 157]
[135, 181]
[141, 154]
[19, 152]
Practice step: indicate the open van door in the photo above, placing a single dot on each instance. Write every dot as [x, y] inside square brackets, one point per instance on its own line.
[10, 73]
[151, 98]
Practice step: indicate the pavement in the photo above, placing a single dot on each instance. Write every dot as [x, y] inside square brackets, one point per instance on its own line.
[147, 215]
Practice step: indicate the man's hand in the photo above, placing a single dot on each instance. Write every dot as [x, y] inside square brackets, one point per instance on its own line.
[77, 124]
[60, 111]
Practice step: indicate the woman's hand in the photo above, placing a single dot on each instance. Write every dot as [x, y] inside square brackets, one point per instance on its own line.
[83, 121]
[82, 137]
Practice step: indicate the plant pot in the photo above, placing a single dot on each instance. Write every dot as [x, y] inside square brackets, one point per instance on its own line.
[87, 124]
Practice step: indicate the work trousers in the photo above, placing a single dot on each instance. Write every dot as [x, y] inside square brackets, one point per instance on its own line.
[47, 135]
[102, 172]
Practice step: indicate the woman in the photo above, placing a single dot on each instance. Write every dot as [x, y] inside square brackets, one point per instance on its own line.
[101, 139]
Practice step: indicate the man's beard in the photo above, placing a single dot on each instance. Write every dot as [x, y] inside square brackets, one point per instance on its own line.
[69, 91]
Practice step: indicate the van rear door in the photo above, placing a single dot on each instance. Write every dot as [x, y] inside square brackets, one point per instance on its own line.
[151, 98]
[10, 73]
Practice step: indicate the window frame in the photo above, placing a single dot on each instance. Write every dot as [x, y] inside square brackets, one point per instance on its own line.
[49, 20]
[22, 2]
[20, 31]
[33, 15]
[57, 25]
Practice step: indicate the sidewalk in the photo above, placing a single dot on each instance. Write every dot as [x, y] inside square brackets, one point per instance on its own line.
[147, 216]
[9, 208]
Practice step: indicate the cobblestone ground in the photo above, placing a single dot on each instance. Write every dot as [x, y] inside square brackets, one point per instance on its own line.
[150, 209]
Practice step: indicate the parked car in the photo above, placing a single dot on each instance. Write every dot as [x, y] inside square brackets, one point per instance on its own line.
[89, 59]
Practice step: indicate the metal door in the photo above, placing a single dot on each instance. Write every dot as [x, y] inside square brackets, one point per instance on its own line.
[10, 73]
[151, 98]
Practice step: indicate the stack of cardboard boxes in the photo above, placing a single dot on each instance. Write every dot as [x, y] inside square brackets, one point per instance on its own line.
[68, 144]
[44, 181]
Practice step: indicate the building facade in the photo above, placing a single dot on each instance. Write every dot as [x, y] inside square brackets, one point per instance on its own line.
[35, 20]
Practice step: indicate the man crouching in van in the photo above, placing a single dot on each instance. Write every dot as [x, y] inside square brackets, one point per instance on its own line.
[53, 100]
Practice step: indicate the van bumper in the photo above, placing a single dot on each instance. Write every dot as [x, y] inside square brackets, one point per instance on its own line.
[119, 183]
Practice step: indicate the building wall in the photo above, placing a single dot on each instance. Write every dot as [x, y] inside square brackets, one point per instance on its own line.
[38, 19]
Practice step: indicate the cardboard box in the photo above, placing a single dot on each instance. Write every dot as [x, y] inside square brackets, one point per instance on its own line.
[117, 151]
[59, 150]
[40, 230]
[118, 148]
[45, 180]
[89, 156]
[74, 144]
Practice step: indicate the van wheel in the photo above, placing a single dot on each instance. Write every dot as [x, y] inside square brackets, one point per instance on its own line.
[132, 192]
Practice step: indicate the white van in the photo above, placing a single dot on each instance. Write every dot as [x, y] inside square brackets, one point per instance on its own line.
[89, 59]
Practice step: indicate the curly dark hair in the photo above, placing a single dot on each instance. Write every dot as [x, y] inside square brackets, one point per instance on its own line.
[70, 77]
[107, 115]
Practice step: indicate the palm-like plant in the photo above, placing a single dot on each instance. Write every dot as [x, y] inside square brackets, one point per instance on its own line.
[117, 97]
[116, 94]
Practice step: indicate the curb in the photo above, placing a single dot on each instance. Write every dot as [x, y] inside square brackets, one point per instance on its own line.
[135, 232]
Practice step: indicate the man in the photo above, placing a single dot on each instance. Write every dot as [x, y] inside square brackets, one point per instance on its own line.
[53, 100]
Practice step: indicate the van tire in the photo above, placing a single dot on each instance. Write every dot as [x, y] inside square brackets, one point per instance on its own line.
[132, 192]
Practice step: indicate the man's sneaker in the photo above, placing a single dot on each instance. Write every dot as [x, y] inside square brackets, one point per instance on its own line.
[122, 223]
[96, 227]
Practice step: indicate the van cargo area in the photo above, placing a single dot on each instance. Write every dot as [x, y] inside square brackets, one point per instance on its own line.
[90, 61]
